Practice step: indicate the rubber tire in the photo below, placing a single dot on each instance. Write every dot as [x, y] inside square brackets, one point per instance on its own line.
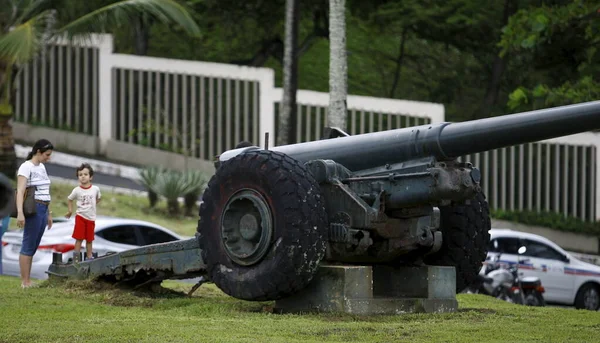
[465, 237]
[579, 301]
[299, 226]
[540, 298]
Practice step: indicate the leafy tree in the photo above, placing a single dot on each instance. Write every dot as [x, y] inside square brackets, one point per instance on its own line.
[559, 44]
[468, 31]
[27, 25]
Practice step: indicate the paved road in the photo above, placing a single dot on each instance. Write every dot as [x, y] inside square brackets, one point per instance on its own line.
[99, 178]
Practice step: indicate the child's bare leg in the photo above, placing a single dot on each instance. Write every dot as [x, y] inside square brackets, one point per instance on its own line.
[78, 245]
[77, 252]
[88, 249]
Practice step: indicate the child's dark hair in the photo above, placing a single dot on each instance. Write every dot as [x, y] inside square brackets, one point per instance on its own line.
[85, 166]
[42, 146]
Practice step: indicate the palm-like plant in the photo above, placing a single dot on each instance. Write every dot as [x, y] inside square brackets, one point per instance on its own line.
[197, 180]
[148, 177]
[26, 26]
[172, 184]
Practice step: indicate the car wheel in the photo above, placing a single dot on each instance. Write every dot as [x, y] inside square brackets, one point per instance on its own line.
[465, 236]
[262, 226]
[588, 297]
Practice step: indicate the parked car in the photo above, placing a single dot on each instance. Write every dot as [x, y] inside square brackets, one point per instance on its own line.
[112, 235]
[566, 279]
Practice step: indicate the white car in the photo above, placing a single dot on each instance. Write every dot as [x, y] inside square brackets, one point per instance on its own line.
[566, 279]
[111, 235]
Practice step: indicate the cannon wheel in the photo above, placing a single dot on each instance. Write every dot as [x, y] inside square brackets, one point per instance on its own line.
[465, 236]
[262, 226]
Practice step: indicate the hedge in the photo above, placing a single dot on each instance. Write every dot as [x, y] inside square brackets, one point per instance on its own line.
[550, 220]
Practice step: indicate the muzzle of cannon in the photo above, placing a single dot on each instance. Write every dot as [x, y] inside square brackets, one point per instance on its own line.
[7, 196]
[397, 197]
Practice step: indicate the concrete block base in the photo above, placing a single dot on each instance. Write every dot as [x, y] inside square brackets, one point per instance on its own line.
[366, 290]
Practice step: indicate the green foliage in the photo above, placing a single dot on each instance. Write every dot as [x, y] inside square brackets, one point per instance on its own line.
[27, 26]
[6, 110]
[557, 47]
[124, 12]
[550, 220]
[148, 177]
[173, 184]
[198, 181]
[533, 26]
[543, 96]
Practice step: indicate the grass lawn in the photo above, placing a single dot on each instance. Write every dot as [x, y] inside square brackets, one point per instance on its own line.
[126, 206]
[87, 311]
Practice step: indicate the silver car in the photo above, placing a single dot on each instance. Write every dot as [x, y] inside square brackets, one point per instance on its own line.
[111, 235]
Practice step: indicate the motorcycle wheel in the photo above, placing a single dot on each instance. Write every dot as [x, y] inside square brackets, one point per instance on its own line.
[534, 299]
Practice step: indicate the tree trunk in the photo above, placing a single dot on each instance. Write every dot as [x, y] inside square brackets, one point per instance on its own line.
[152, 198]
[286, 132]
[173, 207]
[498, 68]
[399, 62]
[491, 94]
[338, 69]
[141, 35]
[8, 158]
[190, 200]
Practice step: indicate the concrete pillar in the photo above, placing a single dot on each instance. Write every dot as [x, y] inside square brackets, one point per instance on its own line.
[367, 290]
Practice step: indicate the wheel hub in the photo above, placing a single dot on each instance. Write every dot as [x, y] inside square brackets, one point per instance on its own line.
[247, 227]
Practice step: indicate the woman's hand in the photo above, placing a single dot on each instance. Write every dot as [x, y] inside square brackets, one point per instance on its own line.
[49, 220]
[20, 220]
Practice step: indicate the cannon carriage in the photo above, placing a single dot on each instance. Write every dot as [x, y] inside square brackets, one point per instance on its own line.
[269, 218]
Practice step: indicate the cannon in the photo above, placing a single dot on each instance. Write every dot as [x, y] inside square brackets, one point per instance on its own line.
[398, 197]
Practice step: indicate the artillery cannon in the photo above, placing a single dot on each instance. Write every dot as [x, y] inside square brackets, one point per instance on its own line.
[398, 197]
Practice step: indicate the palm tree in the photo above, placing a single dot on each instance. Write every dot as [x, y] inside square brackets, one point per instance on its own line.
[26, 26]
[338, 65]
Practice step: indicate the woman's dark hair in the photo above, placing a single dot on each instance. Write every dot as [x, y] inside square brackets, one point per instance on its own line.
[42, 146]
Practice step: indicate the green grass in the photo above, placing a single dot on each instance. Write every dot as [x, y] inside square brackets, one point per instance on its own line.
[126, 206]
[90, 311]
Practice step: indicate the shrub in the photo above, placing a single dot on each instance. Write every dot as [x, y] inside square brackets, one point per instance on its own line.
[148, 178]
[197, 182]
[550, 220]
[172, 184]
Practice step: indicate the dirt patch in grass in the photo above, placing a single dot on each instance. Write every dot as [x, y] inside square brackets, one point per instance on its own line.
[118, 295]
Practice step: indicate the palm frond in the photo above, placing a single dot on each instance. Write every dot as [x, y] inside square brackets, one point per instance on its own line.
[119, 13]
[22, 43]
[31, 8]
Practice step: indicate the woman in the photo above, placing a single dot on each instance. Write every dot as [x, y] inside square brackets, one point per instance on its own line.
[33, 173]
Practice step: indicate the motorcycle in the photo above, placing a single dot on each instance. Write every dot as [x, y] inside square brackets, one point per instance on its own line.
[506, 283]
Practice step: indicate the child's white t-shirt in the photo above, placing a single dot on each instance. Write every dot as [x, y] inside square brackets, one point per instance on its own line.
[38, 177]
[86, 200]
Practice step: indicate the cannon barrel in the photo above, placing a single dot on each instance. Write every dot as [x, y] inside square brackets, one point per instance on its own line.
[448, 140]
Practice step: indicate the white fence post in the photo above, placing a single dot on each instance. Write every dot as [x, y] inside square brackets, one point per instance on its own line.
[586, 139]
[267, 108]
[105, 99]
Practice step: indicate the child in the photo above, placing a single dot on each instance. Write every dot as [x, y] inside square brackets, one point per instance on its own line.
[87, 197]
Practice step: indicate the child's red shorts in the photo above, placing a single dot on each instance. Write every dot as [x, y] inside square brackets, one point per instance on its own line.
[84, 229]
